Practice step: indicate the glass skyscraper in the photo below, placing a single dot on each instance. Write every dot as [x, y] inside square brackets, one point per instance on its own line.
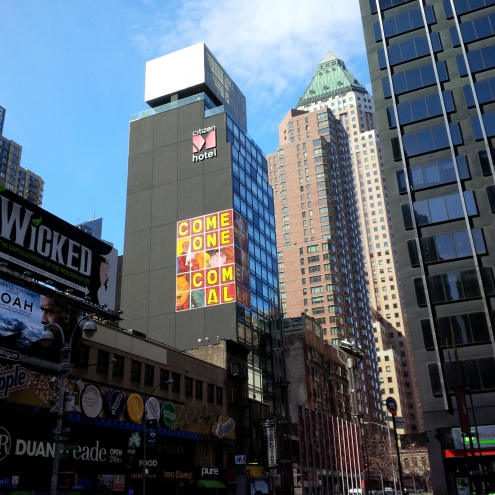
[432, 67]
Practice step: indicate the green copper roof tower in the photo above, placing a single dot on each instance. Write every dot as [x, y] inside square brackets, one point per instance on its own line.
[330, 79]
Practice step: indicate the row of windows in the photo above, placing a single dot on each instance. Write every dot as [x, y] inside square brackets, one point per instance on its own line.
[409, 50]
[473, 30]
[420, 109]
[485, 92]
[413, 79]
[478, 373]
[427, 140]
[433, 174]
[386, 4]
[488, 123]
[403, 23]
[439, 209]
[467, 328]
[118, 368]
[479, 60]
[464, 6]
[444, 247]
[454, 286]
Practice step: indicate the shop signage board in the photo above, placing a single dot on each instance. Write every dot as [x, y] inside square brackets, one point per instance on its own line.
[91, 401]
[168, 414]
[271, 447]
[12, 379]
[240, 459]
[9, 354]
[32, 239]
[484, 440]
[267, 423]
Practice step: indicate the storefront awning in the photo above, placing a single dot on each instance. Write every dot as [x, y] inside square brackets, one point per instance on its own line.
[209, 484]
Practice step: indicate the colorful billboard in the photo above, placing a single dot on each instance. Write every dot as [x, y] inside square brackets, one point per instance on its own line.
[212, 261]
[23, 315]
[31, 239]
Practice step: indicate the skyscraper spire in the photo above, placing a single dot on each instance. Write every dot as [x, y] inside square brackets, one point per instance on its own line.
[331, 77]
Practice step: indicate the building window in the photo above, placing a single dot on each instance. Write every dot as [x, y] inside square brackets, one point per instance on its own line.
[135, 371]
[210, 393]
[163, 379]
[149, 372]
[102, 362]
[118, 366]
[219, 395]
[199, 390]
[188, 383]
[176, 384]
[83, 361]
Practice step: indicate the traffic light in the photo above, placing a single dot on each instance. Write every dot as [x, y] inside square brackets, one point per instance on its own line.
[365, 460]
[66, 479]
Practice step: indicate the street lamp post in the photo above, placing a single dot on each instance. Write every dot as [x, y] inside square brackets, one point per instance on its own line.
[145, 469]
[389, 446]
[64, 369]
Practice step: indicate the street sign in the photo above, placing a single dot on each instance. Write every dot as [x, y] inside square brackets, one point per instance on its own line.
[391, 404]
[58, 431]
[70, 446]
[240, 459]
[267, 423]
[9, 355]
[60, 438]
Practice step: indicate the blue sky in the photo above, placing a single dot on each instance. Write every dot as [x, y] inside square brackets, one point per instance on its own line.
[72, 73]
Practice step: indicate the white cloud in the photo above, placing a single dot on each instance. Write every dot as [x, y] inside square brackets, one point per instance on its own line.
[268, 47]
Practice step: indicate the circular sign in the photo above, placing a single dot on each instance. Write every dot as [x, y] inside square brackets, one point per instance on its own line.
[152, 408]
[6, 443]
[391, 404]
[114, 403]
[135, 407]
[168, 414]
[91, 401]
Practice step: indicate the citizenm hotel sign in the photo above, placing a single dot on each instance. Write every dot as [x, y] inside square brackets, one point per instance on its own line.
[204, 144]
[212, 261]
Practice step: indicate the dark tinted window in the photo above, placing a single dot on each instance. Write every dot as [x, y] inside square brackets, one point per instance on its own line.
[136, 371]
[449, 246]
[188, 383]
[488, 122]
[456, 286]
[102, 362]
[403, 23]
[199, 389]
[210, 392]
[433, 174]
[443, 208]
[412, 79]
[176, 384]
[431, 139]
[386, 4]
[219, 395]
[479, 60]
[163, 379]
[463, 6]
[118, 366]
[420, 109]
[409, 50]
[485, 92]
[83, 358]
[149, 372]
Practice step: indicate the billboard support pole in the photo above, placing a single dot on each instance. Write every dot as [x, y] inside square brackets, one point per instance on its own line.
[64, 370]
